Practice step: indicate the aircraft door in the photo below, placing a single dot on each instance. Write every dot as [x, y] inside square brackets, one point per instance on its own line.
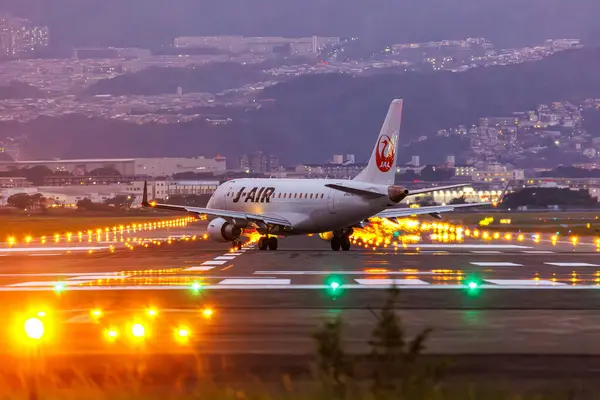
[331, 200]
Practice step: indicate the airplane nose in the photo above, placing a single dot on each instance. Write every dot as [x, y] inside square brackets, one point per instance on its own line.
[397, 193]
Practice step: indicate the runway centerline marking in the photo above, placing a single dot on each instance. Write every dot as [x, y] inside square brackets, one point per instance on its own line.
[228, 257]
[572, 264]
[389, 282]
[486, 252]
[538, 252]
[255, 282]
[215, 262]
[496, 264]
[344, 273]
[524, 282]
[198, 269]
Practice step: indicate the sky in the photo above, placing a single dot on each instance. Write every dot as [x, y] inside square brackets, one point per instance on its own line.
[509, 23]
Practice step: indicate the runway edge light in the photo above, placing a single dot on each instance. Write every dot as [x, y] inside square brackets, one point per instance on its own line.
[334, 285]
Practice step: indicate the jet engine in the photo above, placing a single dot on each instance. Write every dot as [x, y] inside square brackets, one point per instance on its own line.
[222, 231]
[326, 235]
[397, 193]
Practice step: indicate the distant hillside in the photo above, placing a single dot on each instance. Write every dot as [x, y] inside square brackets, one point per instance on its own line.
[314, 117]
[210, 78]
[344, 113]
[19, 90]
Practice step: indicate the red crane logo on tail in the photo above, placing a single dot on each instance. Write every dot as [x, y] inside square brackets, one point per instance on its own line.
[384, 156]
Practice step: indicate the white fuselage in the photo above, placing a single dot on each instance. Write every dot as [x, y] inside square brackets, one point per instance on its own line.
[308, 204]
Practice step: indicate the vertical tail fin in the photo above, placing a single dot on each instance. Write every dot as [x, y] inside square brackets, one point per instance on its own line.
[382, 164]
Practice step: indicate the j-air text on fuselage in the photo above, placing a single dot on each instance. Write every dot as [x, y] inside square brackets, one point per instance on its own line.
[285, 207]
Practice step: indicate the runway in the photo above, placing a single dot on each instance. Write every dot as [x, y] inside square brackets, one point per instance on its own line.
[481, 298]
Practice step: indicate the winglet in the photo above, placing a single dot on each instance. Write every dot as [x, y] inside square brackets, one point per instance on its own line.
[145, 196]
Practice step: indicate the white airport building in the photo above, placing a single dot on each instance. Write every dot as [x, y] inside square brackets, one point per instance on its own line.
[151, 167]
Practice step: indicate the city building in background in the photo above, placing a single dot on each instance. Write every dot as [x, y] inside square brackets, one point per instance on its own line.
[260, 163]
[20, 37]
[272, 45]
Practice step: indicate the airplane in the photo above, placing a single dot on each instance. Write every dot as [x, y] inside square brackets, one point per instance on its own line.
[334, 207]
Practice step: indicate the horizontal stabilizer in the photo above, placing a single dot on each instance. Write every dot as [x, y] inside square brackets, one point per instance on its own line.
[358, 192]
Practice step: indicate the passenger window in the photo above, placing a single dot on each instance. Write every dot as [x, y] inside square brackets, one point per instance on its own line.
[279, 195]
[311, 195]
[295, 195]
[321, 195]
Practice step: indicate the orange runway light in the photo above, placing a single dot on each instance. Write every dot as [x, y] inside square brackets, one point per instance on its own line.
[151, 312]
[34, 328]
[111, 334]
[138, 330]
[208, 312]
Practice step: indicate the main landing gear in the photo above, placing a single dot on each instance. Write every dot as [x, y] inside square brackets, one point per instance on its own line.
[341, 240]
[237, 245]
[265, 243]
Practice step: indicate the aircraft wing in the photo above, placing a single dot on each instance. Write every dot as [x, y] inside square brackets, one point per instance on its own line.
[267, 219]
[228, 215]
[436, 188]
[434, 211]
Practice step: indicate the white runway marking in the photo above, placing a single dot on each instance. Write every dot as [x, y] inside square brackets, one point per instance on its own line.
[524, 282]
[465, 246]
[538, 252]
[572, 264]
[232, 254]
[214, 262]
[225, 257]
[344, 273]
[255, 282]
[486, 252]
[390, 282]
[49, 283]
[276, 286]
[43, 254]
[496, 264]
[198, 269]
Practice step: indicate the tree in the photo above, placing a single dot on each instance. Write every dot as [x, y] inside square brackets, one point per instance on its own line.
[458, 200]
[22, 201]
[544, 197]
[37, 174]
[120, 201]
[105, 171]
[85, 204]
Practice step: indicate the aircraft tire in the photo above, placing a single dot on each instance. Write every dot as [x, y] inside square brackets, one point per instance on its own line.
[262, 244]
[272, 243]
[336, 243]
[345, 243]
